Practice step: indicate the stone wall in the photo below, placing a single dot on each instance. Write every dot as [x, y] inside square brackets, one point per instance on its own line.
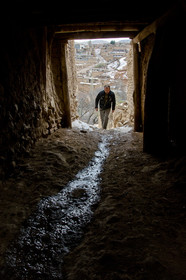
[146, 48]
[23, 84]
[130, 85]
[30, 107]
[124, 113]
[72, 79]
[162, 72]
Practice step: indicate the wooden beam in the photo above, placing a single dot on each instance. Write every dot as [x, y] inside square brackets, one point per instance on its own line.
[95, 35]
[101, 26]
[145, 33]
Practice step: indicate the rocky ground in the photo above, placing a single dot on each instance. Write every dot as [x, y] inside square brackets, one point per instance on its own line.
[138, 230]
[51, 165]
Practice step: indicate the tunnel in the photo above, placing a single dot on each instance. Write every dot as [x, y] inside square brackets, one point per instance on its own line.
[37, 87]
[34, 76]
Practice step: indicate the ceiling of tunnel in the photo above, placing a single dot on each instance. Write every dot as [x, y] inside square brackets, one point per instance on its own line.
[126, 18]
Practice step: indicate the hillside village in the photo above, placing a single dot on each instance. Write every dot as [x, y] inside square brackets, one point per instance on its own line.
[100, 62]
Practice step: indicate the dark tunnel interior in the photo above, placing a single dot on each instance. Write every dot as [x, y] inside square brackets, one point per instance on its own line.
[31, 38]
[36, 98]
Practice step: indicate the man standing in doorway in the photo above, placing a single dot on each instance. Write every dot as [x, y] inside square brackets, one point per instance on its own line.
[106, 99]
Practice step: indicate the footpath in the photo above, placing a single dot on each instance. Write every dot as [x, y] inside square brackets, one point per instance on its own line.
[138, 229]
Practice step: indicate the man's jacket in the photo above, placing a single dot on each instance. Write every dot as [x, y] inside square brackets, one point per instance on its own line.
[105, 103]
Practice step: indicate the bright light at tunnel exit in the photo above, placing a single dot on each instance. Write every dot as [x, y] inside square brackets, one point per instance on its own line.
[103, 39]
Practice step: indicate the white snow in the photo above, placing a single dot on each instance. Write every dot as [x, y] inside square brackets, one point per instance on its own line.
[123, 63]
[97, 51]
[124, 129]
[113, 65]
[81, 125]
[93, 84]
[111, 74]
[99, 57]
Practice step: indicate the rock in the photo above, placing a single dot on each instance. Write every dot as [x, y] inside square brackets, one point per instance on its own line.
[16, 108]
[153, 265]
[78, 193]
[13, 164]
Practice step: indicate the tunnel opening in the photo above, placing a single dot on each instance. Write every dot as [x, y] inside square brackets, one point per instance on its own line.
[145, 196]
[100, 62]
[35, 98]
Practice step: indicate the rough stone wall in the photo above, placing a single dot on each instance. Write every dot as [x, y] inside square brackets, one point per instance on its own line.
[72, 79]
[22, 80]
[145, 54]
[124, 113]
[130, 85]
[29, 105]
[51, 105]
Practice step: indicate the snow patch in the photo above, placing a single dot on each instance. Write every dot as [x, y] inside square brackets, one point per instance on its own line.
[111, 74]
[123, 63]
[85, 126]
[97, 51]
[81, 125]
[124, 129]
[113, 65]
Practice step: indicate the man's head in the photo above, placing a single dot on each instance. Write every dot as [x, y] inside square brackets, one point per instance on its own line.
[107, 88]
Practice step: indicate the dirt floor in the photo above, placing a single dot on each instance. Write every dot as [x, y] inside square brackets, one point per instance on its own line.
[138, 229]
